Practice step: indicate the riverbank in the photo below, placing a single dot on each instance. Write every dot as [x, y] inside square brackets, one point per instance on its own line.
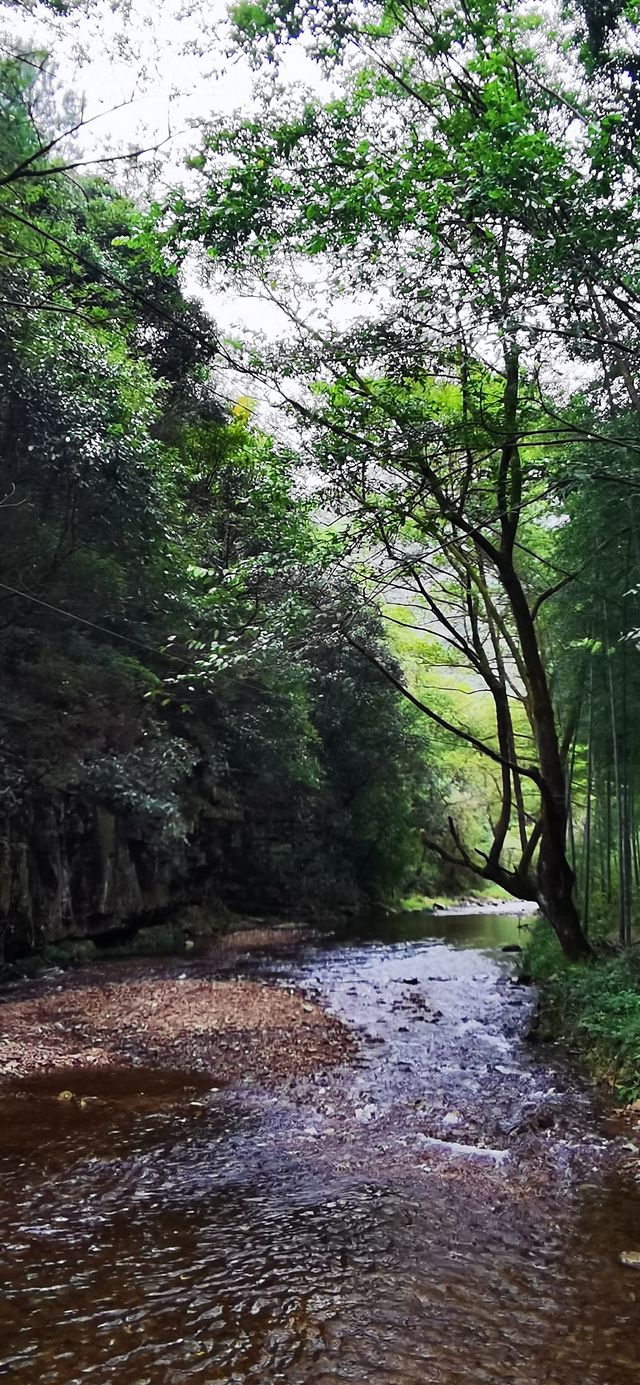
[593, 1007]
[168, 1013]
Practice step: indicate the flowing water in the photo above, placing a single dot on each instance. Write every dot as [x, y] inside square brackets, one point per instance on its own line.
[449, 1207]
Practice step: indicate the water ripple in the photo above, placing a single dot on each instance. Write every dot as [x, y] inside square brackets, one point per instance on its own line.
[447, 1209]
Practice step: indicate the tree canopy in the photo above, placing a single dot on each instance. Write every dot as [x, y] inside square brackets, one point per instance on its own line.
[469, 194]
[446, 527]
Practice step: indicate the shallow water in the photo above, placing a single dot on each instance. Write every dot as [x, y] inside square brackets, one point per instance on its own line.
[449, 1207]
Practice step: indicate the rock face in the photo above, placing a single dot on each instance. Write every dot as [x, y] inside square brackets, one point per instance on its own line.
[72, 867]
[76, 863]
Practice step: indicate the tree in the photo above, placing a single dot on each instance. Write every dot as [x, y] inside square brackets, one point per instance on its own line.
[461, 183]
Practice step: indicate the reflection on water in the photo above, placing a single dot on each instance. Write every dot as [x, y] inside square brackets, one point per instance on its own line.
[355, 1227]
[462, 928]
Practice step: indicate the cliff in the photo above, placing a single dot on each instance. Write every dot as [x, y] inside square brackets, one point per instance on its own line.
[76, 863]
[72, 867]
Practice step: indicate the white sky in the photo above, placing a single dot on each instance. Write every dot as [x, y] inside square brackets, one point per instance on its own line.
[164, 56]
[168, 60]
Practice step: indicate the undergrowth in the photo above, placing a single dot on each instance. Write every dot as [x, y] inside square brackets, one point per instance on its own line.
[594, 1005]
[481, 891]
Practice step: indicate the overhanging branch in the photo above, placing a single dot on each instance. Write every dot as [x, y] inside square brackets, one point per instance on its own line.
[527, 771]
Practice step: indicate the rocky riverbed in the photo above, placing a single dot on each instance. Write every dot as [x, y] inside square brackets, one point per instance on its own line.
[445, 1203]
[205, 1019]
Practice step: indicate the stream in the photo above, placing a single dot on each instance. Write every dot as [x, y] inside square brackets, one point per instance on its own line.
[448, 1207]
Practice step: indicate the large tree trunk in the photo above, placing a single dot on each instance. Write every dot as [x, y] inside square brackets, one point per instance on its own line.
[555, 878]
[555, 881]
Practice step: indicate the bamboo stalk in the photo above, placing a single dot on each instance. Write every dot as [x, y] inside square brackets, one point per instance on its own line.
[586, 839]
[622, 915]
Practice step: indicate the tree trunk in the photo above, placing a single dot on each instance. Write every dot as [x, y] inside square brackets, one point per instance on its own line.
[609, 843]
[563, 920]
[622, 905]
[555, 878]
[586, 853]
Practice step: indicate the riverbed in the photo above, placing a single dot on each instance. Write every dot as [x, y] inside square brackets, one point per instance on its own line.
[447, 1204]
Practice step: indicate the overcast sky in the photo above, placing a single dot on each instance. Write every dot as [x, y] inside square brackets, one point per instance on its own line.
[166, 64]
[166, 57]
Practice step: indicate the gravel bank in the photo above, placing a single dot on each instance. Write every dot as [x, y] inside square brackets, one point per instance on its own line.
[166, 1015]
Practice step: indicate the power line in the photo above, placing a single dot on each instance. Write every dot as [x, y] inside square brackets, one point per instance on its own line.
[103, 629]
[131, 639]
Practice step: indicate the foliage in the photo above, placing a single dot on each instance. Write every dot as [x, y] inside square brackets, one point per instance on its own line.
[467, 197]
[145, 785]
[469, 194]
[168, 608]
[595, 1005]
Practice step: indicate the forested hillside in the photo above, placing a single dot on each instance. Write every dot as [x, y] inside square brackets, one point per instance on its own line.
[182, 719]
